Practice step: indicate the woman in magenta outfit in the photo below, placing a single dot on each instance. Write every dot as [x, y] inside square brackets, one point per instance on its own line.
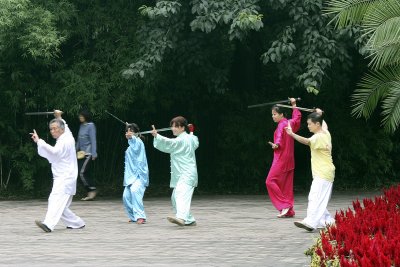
[280, 177]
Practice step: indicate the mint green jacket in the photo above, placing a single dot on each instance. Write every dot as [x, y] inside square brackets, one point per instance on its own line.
[183, 158]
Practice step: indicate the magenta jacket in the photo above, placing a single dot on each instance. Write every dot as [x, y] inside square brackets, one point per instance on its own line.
[284, 154]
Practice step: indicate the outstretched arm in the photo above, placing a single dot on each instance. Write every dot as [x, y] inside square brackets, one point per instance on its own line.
[49, 152]
[297, 137]
[301, 139]
[165, 144]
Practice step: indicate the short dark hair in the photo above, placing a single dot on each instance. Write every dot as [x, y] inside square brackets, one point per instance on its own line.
[278, 110]
[133, 126]
[87, 115]
[180, 122]
[316, 117]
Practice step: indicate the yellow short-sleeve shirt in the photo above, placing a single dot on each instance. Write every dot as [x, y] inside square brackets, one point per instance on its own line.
[321, 156]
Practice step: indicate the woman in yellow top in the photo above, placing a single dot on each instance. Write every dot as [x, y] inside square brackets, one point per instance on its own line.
[323, 172]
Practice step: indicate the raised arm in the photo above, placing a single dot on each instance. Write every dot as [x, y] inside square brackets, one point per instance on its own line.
[295, 120]
[133, 141]
[296, 116]
[195, 141]
[167, 145]
[324, 124]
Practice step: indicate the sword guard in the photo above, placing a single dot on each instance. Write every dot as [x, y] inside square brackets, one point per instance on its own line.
[191, 128]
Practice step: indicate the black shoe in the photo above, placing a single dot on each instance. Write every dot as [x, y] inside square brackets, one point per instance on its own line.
[177, 221]
[69, 227]
[43, 226]
[304, 226]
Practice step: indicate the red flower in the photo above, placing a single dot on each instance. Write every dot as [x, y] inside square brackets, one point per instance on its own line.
[367, 236]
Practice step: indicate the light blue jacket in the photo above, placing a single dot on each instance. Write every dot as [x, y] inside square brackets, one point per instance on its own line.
[136, 162]
[183, 157]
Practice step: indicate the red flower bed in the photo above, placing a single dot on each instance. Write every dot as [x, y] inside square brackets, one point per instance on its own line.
[368, 236]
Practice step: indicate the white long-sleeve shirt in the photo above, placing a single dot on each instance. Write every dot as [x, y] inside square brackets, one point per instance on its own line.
[62, 157]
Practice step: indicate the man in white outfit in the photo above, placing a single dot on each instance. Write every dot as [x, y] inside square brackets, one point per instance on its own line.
[62, 157]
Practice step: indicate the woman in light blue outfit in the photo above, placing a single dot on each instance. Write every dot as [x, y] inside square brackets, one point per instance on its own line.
[136, 176]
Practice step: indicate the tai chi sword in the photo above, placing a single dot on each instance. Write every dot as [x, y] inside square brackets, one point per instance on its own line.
[299, 108]
[144, 132]
[158, 130]
[272, 103]
[40, 113]
[115, 117]
[190, 126]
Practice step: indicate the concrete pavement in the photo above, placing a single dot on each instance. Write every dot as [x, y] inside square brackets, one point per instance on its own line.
[231, 231]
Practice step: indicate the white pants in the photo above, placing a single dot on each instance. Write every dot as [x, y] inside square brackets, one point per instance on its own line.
[58, 208]
[317, 214]
[181, 199]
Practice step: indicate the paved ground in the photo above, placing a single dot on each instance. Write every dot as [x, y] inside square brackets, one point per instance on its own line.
[231, 231]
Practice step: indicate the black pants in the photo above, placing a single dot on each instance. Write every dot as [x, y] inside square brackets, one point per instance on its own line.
[84, 168]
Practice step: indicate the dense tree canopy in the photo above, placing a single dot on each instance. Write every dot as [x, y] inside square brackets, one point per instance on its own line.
[379, 22]
[148, 61]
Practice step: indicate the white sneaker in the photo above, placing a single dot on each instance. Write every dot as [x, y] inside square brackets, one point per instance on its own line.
[91, 195]
[177, 221]
[283, 212]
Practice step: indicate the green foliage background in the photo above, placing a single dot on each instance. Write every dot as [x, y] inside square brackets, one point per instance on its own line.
[148, 61]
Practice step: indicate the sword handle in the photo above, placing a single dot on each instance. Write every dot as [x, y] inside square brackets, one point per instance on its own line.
[191, 128]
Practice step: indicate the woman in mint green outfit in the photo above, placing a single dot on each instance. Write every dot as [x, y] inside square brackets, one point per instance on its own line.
[183, 168]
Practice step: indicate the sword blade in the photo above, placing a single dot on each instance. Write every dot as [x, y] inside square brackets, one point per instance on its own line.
[299, 108]
[272, 103]
[40, 113]
[158, 130]
[115, 117]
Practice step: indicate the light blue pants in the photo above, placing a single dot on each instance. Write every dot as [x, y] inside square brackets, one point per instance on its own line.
[181, 199]
[133, 200]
